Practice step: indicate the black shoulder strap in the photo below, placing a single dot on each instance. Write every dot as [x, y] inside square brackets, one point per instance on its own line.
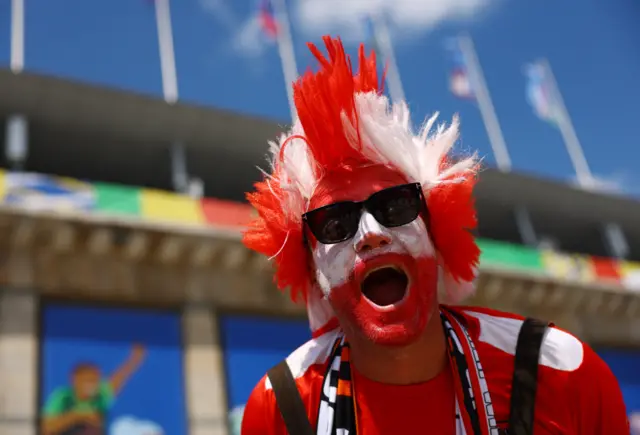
[289, 401]
[525, 377]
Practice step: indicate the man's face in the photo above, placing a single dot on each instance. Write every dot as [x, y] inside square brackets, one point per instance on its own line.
[382, 283]
[86, 382]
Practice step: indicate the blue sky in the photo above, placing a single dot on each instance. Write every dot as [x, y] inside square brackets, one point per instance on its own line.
[223, 60]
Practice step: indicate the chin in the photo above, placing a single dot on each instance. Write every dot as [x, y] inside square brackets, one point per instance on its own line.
[389, 299]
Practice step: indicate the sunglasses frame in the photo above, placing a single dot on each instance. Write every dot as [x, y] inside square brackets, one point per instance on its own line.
[362, 205]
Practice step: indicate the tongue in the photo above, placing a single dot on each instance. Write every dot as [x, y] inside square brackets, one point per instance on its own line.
[385, 286]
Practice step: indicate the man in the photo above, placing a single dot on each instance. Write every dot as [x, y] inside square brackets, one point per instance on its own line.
[371, 225]
[81, 408]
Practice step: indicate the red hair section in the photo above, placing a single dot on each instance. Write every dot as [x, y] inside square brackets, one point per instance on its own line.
[321, 99]
[452, 217]
[273, 235]
[324, 97]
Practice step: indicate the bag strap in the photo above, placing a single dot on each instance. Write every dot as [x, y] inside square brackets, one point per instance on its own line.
[525, 376]
[289, 401]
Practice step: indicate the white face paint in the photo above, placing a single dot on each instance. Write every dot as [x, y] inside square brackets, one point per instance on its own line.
[334, 263]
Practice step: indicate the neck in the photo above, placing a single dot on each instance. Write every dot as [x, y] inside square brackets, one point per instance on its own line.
[397, 365]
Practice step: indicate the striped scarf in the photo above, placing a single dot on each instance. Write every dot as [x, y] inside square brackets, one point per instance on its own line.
[474, 413]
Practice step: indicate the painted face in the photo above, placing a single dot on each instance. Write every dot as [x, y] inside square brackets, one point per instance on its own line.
[382, 283]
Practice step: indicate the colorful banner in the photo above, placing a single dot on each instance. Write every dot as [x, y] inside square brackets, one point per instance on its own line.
[166, 206]
[227, 213]
[120, 200]
[248, 356]
[576, 268]
[606, 270]
[41, 192]
[510, 256]
[631, 275]
[111, 372]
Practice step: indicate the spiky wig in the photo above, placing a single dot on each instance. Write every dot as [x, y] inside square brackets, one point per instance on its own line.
[344, 121]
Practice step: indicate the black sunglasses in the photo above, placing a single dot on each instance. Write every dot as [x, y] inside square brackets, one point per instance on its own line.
[392, 207]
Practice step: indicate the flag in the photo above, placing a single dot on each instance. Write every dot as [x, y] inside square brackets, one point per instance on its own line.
[459, 81]
[466, 81]
[543, 95]
[540, 95]
[268, 19]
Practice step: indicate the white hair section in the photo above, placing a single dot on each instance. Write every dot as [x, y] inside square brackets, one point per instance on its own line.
[319, 310]
[293, 169]
[451, 291]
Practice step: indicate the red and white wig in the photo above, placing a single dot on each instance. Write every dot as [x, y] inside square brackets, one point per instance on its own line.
[345, 121]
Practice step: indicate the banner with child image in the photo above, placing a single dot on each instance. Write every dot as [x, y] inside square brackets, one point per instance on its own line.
[625, 365]
[251, 346]
[107, 371]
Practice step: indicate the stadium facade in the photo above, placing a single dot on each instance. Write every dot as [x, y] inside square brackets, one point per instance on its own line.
[107, 272]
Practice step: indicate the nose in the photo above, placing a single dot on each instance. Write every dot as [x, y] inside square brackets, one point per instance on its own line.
[371, 235]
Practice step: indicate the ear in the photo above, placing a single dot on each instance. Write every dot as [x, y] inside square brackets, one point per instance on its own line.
[450, 290]
[454, 291]
[319, 310]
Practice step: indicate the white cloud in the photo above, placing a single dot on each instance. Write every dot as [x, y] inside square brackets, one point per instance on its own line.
[220, 10]
[249, 39]
[406, 17]
[344, 18]
[128, 425]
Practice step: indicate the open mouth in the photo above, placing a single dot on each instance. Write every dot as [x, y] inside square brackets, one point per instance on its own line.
[385, 286]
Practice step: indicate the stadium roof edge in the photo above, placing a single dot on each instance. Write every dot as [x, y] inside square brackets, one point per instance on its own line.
[552, 199]
[119, 113]
[88, 107]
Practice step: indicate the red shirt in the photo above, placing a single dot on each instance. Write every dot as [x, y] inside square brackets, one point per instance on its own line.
[577, 393]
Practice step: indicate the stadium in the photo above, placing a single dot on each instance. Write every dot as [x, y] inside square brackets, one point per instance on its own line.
[106, 268]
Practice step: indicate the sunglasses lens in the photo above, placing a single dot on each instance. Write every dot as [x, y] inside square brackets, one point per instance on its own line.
[396, 206]
[335, 223]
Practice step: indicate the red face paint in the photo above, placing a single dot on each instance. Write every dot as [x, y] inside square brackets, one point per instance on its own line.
[398, 324]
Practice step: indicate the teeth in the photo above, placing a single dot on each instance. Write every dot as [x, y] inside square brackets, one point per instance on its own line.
[390, 266]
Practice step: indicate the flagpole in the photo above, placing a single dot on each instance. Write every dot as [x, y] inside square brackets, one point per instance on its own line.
[576, 153]
[384, 44]
[167, 54]
[487, 110]
[285, 49]
[17, 36]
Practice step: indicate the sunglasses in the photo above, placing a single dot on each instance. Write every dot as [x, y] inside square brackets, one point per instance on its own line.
[392, 207]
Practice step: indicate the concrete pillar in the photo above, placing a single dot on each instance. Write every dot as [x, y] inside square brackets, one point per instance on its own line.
[204, 372]
[17, 141]
[179, 171]
[525, 226]
[18, 363]
[615, 240]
